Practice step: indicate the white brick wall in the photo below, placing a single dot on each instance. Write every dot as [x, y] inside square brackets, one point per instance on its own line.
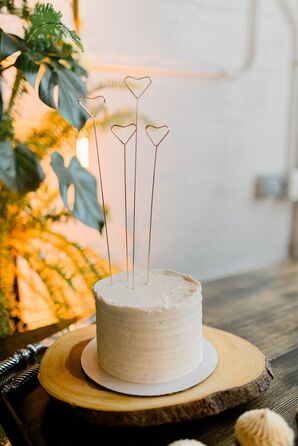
[223, 133]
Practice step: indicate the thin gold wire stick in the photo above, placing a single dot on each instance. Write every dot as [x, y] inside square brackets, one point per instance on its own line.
[151, 212]
[135, 196]
[114, 129]
[127, 80]
[148, 127]
[125, 206]
[100, 174]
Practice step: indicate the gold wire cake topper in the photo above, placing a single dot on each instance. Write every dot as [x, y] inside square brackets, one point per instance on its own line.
[137, 86]
[100, 103]
[117, 130]
[156, 138]
[131, 83]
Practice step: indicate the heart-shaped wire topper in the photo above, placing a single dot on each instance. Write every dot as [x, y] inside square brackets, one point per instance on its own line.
[135, 83]
[101, 101]
[157, 134]
[124, 132]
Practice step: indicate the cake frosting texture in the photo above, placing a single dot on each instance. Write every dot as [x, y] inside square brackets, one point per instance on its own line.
[152, 333]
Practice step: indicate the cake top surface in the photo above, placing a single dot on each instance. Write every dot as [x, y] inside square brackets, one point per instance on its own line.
[166, 289]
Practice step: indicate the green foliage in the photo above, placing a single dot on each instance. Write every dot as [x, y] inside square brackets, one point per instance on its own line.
[64, 272]
[21, 10]
[9, 44]
[56, 269]
[6, 128]
[54, 131]
[43, 45]
[3, 438]
[46, 28]
[85, 207]
[20, 169]
[53, 268]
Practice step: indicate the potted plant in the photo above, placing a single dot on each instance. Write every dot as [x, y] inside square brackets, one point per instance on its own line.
[32, 252]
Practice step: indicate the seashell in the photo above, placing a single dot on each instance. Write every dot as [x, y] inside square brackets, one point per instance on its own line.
[263, 427]
[186, 442]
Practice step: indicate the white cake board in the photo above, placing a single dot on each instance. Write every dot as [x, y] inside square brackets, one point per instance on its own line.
[96, 373]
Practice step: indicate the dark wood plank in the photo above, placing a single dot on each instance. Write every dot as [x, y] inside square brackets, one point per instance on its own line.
[10, 344]
[50, 423]
[261, 306]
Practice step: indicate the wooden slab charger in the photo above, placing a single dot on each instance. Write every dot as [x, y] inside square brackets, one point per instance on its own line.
[242, 374]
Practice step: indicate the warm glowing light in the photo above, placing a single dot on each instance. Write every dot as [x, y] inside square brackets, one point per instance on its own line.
[82, 151]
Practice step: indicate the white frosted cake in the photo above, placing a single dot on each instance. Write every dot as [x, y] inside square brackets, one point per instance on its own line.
[152, 333]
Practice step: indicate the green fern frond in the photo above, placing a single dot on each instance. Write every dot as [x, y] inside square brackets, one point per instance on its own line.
[54, 287]
[76, 254]
[106, 85]
[54, 133]
[64, 271]
[9, 7]
[75, 38]
[45, 13]
[46, 28]
[16, 93]
[35, 290]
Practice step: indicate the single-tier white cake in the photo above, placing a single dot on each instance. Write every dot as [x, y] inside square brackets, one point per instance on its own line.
[152, 333]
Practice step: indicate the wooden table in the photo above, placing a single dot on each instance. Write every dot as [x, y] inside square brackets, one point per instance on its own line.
[261, 306]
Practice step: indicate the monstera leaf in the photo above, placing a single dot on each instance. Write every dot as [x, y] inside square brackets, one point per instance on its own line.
[20, 169]
[9, 44]
[70, 87]
[29, 67]
[86, 208]
[59, 70]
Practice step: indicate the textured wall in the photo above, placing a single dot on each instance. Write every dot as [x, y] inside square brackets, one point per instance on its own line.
[223, 132]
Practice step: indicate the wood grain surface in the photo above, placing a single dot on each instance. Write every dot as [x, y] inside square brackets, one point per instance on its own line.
[241, 375]
[260, 305]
